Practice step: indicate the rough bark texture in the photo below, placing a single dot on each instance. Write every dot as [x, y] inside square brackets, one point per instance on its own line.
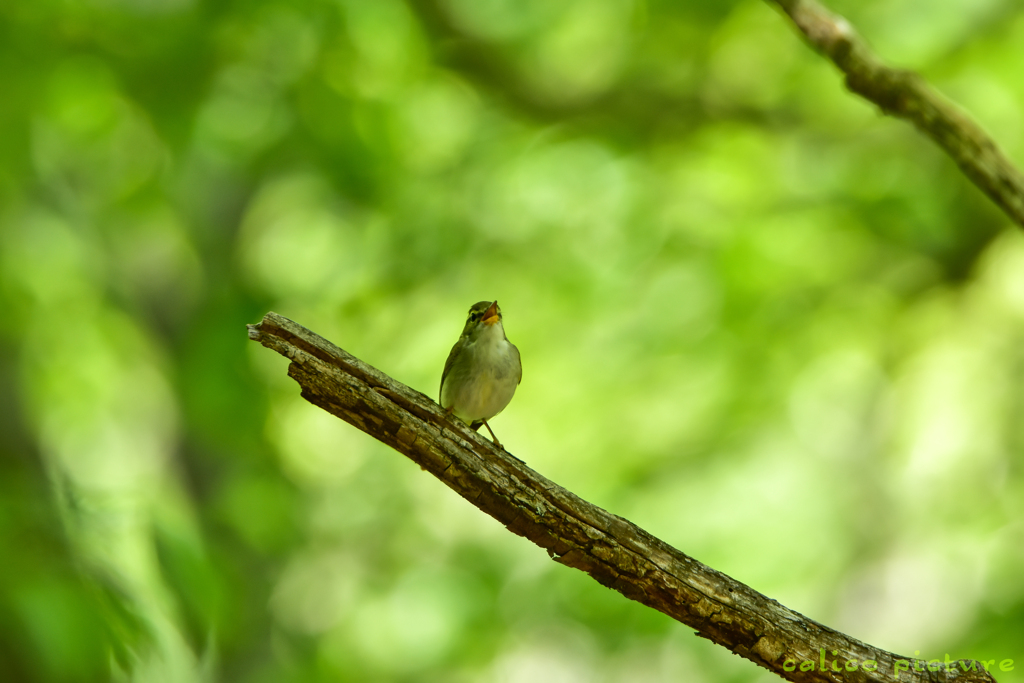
[906, 95]
[578, 534]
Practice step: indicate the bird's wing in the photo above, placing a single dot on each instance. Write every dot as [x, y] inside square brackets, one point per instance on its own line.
[519, 364]
[448, 364]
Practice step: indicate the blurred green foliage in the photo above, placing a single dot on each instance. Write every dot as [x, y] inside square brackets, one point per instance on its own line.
[765, 323]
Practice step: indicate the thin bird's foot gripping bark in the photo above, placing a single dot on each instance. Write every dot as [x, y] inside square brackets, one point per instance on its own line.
[493, 437]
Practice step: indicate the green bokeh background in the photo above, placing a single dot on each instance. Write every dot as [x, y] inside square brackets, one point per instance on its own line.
[760, 320]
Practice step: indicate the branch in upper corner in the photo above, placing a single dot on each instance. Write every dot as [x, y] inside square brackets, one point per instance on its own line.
[906, 95]
[578, 534]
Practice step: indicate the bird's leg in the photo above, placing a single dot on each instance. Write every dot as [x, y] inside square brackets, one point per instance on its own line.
[450, 412]
[496, 442]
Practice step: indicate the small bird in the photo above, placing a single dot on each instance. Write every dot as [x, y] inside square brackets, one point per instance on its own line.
[482, 370]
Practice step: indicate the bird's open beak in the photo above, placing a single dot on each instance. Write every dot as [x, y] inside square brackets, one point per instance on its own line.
[491, 314]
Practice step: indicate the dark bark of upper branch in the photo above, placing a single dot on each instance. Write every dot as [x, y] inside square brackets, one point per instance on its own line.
[578, 534]
[906, 95]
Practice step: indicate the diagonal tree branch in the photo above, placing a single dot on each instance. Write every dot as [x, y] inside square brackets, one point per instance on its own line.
[907, 95]
[578, 534]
